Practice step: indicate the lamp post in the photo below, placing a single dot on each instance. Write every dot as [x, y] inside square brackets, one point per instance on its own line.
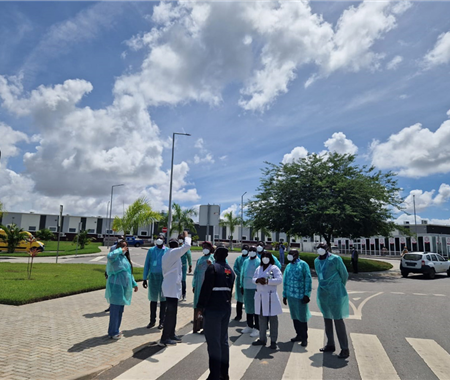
[242, 217]
[59, 230]
[169, 216]
[110, 209]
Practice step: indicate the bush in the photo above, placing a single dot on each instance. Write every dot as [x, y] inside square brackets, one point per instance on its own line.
[45, 235]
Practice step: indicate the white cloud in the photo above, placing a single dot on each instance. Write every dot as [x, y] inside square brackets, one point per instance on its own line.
[443, 194]
[415, 151]
[205, 159]
[234, 208]
[340, 144]
[440, 54]
[392, 65]
[296, 153]
[199, 143]
[9, 139]
[426, 199]
[410, 218]
[203, 156]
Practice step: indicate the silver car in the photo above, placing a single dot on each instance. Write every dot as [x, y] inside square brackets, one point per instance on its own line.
[427, 263]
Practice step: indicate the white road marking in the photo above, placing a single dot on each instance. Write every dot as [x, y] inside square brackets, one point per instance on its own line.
[373, 362]
[356, 298]
[434, 356]
[159, 363]
[439, 295]
[357, 311]
[397, 293]
[300, 366]
[419, 294]
[98, 258]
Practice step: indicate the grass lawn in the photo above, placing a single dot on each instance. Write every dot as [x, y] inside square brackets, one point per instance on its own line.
[65, 248]
[50, 281]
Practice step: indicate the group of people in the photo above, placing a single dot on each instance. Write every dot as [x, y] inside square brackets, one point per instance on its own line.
[256, 276]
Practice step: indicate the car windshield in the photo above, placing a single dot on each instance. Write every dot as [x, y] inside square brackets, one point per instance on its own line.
[412, 256]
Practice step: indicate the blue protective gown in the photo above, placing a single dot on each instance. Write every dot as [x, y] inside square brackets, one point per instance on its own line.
[248, 270]
[153, 272]
[297, 283]
[185, 260]
[237, 270]
[120, 283]
[332, 297]
[199, 275]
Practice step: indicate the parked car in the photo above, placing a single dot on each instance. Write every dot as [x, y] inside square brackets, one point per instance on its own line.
[427, 263]
[134, 241]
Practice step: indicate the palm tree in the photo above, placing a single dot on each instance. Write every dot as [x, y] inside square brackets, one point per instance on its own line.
[181, 220]
[139, 213]
[1, 209]
[231, 222]
[13, 236]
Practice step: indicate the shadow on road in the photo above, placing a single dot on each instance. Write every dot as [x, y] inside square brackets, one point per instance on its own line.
[91, 342]
[96, 315]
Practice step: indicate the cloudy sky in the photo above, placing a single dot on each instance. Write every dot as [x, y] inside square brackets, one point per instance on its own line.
[90, 94]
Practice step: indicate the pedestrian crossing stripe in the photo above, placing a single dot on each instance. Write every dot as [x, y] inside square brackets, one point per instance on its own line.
[299, 366]
[98, 258]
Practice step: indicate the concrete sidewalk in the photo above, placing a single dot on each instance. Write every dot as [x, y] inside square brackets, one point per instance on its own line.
[66, 338]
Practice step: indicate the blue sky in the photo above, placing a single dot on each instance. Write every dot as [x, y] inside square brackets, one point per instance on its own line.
[90, 94]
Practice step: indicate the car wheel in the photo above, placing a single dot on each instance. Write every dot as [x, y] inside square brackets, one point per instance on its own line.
[448, 272]
[432, 274]
[405, 273]
[137, 245]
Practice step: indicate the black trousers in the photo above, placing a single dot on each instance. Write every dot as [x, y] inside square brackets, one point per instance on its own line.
[341, 332]
[253, 321]
[183, 288]
[301, 329]
[170, 320]
[215, 327]
[162, 311]
[355, 265]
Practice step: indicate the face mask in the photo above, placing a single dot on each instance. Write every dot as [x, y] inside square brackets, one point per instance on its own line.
[252, 254]
[244, 252]
[290, 257]
[321, 251]
[206, 251]
[159, 242]
[181, 241]
[265, 260]
[259, 248]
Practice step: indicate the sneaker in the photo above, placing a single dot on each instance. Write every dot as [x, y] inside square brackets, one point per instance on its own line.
[273, 346]
[151, 324]
[258, 343]
[167, 342]
[254, 333]
[116, 337]
[247, 330]
[160, 326]
[176, 338]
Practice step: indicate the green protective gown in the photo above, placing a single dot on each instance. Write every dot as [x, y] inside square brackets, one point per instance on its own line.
[153, 273]
[297, 283]
[248, 270]
[120, 283]
[199, 275]
[237, 270]
[332, 297]
[186, 260]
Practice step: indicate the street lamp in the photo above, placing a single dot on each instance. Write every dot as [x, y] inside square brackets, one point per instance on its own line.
[169, 216]
[242, 216]
[110, 208]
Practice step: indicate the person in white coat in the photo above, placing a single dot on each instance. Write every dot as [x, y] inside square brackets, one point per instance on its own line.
[171, 287]
[267, 303]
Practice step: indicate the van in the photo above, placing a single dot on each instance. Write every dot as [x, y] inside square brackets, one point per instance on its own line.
[23, 246]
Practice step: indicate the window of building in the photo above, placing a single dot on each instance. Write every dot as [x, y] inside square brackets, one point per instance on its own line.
[91, 231]
[144, 233]
[32, 228]
[292, 240]
[244, 237]
[53, 229]
[72, 230]
[109, 232]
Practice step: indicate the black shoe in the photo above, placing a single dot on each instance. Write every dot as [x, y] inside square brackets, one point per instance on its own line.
[176, 338]
[344, 354]
[304, 343]
[259, 343]
[237, 318]
[151, 324]
[167, 342]
[328, 349]
[296, 339]
[160, 326]
[107, 310]
[273, 346]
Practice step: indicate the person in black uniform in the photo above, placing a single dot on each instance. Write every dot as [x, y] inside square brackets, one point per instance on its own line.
[215, 308]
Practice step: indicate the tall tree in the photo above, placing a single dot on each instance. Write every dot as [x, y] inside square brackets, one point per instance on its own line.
[1, 209]
[327, 195]
[13, 236]
[181, 219]
[139, 213]
[230, 221]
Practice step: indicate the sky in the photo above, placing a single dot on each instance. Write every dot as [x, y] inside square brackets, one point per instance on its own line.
[91, 93]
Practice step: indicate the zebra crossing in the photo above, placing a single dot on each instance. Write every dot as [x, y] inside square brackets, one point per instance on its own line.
[369, 357]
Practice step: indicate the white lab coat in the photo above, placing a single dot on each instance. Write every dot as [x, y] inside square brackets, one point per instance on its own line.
[266, 295]
[171, 268]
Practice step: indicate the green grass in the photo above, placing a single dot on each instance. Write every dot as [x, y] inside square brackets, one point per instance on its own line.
[65, 248]
[364, 265]
[50, 281]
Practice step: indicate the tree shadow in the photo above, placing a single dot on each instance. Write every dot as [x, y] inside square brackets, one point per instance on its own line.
[92, 342]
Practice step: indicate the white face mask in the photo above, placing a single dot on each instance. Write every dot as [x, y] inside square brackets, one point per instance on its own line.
[181, 241]
[159, 242]
[265, 260]
[244, 252]
[252, 254]
[259, 248]
[206, 251]
[290, 257]
[321, 251]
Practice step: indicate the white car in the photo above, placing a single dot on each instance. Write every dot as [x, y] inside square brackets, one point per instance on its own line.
[427, 263]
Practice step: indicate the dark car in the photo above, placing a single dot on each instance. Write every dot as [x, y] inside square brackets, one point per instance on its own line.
[134, 241]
